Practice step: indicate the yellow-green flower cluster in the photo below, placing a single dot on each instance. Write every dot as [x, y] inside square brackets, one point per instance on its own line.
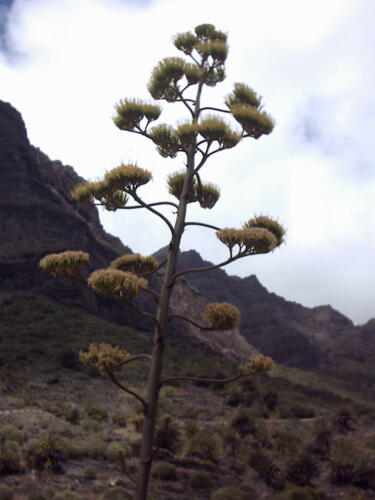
[116, 283]
[65, 263]
[251, 241]
[186, 133]
[112, 191]
[127, 178]
[258, 364]
[243, 94]
[222, 316]
[130, 113]
[175, 183]
[164, 136]
[103, 357]
[254, 122]
[136, 264]
[164, 78]
[207, 195]
[214, 128]
[267, 223]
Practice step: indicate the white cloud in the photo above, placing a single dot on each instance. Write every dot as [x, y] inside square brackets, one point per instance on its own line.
[312, 61]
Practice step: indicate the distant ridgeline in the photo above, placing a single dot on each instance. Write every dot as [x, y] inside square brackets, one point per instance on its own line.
[38, 217]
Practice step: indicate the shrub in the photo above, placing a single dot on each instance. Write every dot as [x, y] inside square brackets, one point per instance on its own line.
[242, 423]
[45, 454]
[200, 480]
[10, 432]
[69, 359]
[117, 493]
[231, 439]
[117, 453]
[302, 493]
[229, 493]
[300, 411]
[91, 447]
[73, 416]
[344, 421]
[10, 462]
[164, 471]
[191, 427]
[167, 434]
[89, 473]
[205, 444]
[301, 469]
[67, 495]
[271, 399]
[287, 442]
[120, 420]
[91, 425]
[6, 492]
[267, 469]
[97, 413]
[137, 421]
[346, 467]
[36, 495]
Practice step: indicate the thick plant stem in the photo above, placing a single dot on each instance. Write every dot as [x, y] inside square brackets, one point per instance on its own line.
[154, 378]
[158, 347]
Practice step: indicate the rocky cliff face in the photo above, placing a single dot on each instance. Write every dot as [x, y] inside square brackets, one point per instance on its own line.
[318, 338]
[38, 216]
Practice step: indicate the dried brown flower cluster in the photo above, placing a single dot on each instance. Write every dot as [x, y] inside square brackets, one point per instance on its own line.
[222, 316]
[65, 264]
[103, 357]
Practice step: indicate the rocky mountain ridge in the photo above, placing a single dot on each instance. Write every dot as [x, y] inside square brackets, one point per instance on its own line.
[38, 216]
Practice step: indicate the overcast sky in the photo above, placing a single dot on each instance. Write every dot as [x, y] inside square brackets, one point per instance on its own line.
[65, 63]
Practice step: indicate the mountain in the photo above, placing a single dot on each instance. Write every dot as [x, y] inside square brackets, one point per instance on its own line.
[319, 339]
[38, 216]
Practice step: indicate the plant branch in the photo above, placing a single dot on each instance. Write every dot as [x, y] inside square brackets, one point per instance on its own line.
[208, 268]
[179, 316]
[207, 380]
[133, 358]
[139, 311]
[215, 109]
[156, 212]
[151, 292]
[125, 389]
[143, 206]
[203, 225]
[185, 102]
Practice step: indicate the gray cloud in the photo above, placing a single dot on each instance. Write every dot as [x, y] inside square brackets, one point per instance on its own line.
[312, 61]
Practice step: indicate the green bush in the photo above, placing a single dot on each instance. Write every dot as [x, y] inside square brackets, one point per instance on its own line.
[97, 413]
[6, 492]
[120, 420]
[91, 447]
[267, 469]
[89, 473]
[301, 469]
[117, 452]
[10, 462]
[242, 423]
[164, 471]
[287, 442]
[45, 454]
[302, 493]
[204, 444]
[67, 495]
[10, 432]
[91, 425]
[117, 493]
[73, 416]
[36, 495]
[200, 480]
[167, 434]
[300, 411]
[229, 493]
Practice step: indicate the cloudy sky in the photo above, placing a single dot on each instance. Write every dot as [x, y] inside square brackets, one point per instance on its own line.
[65, 63]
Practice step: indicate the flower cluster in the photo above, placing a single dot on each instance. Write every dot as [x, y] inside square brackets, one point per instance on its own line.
[130, 113]
[136, 264]
[214, 128]
[250, 241]
[258, 364]
[115, 283]
[222, 316]
[206, 194]
[65, 263]
[103, 357]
